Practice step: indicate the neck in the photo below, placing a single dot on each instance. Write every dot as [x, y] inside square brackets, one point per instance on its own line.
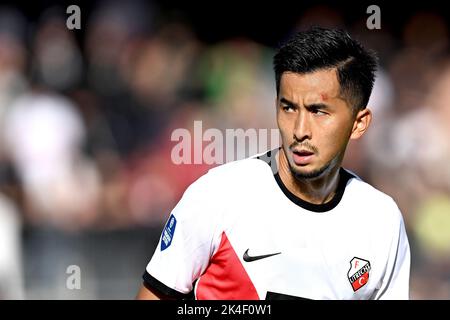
[317, 191]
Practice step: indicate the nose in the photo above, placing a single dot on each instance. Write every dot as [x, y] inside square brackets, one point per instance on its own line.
[302, 130]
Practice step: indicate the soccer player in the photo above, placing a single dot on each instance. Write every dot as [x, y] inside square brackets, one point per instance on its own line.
[291, 223]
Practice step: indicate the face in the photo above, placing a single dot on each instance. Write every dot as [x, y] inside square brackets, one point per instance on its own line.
[316, 122]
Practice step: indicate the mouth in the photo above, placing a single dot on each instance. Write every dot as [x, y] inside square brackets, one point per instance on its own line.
[302, 157]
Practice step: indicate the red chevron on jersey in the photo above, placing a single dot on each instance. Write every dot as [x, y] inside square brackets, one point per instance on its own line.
[226, 278]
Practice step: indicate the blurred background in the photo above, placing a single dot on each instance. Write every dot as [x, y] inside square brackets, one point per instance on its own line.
[86, 117]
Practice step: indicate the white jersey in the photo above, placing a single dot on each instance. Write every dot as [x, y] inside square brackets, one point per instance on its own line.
[239, 233]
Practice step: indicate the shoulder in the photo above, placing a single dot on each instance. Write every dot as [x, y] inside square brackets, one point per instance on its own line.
[372, 200]
[210, 196]
[234, 173]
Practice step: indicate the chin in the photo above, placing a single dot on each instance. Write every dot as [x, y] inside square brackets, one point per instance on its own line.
[309, 174]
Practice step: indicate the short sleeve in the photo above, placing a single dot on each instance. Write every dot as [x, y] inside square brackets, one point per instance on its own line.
[187, 242]
[396, 280]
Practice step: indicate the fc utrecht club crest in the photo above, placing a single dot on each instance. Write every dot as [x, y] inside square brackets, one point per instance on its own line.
[358, 275]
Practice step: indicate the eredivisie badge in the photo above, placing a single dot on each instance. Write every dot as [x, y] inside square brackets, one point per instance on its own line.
[358, 275]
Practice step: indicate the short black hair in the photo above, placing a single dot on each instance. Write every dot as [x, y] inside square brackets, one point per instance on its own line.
[320, 48]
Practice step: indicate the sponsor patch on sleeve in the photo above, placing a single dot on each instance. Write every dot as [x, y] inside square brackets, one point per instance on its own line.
[168, 232]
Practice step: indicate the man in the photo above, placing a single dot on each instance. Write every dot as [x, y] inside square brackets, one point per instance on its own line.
[291, 224]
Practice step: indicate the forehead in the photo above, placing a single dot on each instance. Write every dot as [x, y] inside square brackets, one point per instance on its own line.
[320, 84]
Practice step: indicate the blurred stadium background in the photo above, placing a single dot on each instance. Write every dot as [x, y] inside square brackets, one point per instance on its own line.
[86, 118]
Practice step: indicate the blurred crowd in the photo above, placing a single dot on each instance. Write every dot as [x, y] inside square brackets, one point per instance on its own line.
[86, 119]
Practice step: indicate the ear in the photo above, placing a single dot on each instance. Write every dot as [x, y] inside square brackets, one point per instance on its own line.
[361, 123]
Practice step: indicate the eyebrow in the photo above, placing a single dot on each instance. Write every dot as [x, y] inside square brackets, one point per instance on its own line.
[286, 101]
[318, 105]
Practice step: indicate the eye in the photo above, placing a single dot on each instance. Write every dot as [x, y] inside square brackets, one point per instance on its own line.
[318, 112]
[287, 108]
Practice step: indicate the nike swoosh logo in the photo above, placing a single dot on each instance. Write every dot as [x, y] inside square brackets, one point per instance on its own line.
[248, 258]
